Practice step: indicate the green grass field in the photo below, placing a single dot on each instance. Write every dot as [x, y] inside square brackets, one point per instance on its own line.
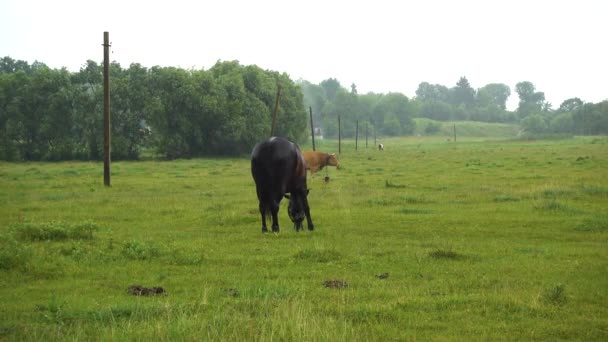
[428, 240]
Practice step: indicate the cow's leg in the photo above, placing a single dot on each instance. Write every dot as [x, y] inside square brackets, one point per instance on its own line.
[274, 211]
[308, 218]
[263, 213]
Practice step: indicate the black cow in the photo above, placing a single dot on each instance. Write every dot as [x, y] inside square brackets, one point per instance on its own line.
[278, 168]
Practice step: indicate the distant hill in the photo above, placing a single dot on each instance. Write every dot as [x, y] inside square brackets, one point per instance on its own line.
[430, 127]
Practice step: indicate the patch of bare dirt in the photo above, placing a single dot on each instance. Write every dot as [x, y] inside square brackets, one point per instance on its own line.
[335, 284]
[138, 290]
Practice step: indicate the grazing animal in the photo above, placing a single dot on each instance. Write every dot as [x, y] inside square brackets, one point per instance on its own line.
[278, 168]
[380, 147]
[316, 160]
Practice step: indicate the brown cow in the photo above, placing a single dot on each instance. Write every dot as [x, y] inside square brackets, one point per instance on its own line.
[316, 160]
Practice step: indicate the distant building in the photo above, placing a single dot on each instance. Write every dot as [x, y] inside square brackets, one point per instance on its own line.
[318, 133]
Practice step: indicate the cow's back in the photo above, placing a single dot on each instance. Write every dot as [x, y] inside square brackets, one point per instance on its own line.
[275, 163]
[316, 160]
[313, 160]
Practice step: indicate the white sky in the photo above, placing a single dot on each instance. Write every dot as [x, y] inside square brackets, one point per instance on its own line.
[380, 45]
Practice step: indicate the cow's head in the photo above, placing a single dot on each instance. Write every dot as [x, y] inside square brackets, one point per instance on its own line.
[332, 160]
[297, 207]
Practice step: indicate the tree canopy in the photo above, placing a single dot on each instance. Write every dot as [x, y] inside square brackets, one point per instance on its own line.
[49, 114]
[54, 114]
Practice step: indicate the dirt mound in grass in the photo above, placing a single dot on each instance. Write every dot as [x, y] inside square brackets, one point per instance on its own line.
[335, 284]
[138, 290]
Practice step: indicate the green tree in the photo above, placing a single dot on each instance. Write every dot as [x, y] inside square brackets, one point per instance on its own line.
[314, 97]
[494, 94]
[530, 101]
[427, 92]
[53, 114]
[88, 109]
[345, 105]
[12, 130]
[591, 119]
[293, 120]
[58, 118]
[37, 117]
[570, 105]
[436, 110]
[534, 124]
[562, 123]
[397, 116]
[9, 65]
[174, 110]
[463, 94]
[367, 104]
[330, 86]
[130, 96]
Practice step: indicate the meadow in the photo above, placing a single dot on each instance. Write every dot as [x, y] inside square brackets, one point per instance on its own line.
[428, 240]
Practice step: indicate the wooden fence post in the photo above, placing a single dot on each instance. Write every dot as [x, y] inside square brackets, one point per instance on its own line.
[339, 136]
[107, 146]
[356, 135]
[375, 143]
[312, 130]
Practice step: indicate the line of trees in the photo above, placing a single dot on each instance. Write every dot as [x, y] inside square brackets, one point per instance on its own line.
[54, 114]
[391, 114]
[572, 117]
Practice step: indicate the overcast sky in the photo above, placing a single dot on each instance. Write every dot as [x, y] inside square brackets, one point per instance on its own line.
[381, 46]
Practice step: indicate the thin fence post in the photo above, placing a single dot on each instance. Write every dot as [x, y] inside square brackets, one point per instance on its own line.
[356, 135]
[366, 128]
[454, 132]
[375, 143]
[339, 136]
[312, 130]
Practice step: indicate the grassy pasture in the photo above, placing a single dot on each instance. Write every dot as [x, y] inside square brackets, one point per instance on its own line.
[475, 240]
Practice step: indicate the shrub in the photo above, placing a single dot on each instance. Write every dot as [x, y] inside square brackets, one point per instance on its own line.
[552, 205]
[555, 295]
[432, 128]
[444, 254]
[137, 250]
[54, 231]
[184, 257]
[318, 255]
[13, 255]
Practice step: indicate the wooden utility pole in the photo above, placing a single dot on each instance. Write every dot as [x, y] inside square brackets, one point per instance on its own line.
[357, 135]
[274, 112]
[312, 129]
[107, 146]
[339, 137]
